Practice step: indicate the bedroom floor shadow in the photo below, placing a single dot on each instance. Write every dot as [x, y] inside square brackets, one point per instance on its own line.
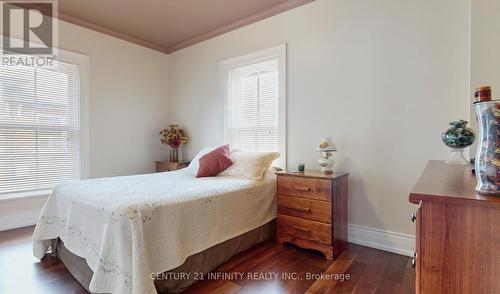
[266, 268]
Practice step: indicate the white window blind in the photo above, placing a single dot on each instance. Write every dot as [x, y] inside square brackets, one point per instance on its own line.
[258, 114]
[254, 99]
[39, 127]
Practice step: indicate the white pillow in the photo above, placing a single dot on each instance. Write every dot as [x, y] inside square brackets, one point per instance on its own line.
[195, 163]
[251, 165]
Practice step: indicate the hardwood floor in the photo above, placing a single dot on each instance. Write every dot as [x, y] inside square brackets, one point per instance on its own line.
[370, 271]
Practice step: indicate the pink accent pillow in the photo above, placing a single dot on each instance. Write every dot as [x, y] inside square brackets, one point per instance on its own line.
[214, 162]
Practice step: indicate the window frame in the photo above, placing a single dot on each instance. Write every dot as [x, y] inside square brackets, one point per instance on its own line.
[83, 123]
[276, 52]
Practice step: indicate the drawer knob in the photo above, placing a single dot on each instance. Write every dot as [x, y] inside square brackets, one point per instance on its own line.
[413, 217]
[302, 229]
[299, 188]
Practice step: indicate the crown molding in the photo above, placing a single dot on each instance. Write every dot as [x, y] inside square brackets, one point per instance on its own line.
[92, 26]
[189, 42]
[238, 24]
[100, 29]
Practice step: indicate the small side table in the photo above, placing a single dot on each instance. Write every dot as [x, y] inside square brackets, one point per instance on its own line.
[312, 211]
[165, 165]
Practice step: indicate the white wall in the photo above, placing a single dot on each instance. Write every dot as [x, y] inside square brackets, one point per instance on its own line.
[384, 78]
[128, 101]
[485, 48]
[128, 106]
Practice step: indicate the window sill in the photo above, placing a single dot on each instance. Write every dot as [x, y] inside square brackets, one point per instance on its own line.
[24, 195]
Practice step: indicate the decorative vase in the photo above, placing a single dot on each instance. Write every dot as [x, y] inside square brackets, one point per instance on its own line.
[457, 138]
[487, 161]
[174, 154]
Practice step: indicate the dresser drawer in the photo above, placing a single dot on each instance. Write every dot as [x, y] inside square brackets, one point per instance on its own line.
[305, 229]
[305, 187]
[305, 208]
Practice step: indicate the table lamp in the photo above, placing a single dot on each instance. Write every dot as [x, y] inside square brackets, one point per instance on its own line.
[326, 149]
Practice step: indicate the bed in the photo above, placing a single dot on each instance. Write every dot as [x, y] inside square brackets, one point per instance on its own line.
[116, 235]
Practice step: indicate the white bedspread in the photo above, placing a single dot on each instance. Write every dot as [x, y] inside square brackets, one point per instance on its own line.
[129, 227]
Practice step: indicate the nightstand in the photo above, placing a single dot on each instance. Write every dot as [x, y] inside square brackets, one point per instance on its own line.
[312, 211]
[165, 165]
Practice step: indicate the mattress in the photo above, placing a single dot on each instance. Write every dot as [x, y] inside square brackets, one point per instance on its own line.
[129, 227]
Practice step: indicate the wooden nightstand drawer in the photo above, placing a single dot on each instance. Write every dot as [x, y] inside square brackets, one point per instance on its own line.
[305, 229]
[305, 208]
[305, 187]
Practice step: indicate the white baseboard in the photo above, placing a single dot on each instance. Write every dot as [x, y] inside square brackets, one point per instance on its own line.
[366, 236]
[380, 239]
[19, 219]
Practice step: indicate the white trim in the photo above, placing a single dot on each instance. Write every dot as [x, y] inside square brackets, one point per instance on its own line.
[470, 95]
[278, 52]
[19, 219]
[24, 195]
[380, 239]
[83, 145]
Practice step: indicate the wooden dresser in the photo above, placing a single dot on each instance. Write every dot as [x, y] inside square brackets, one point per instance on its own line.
[165, 165]
[312, 211]
[457, 234]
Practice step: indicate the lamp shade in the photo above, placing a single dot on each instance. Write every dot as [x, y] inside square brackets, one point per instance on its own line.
[326, 144]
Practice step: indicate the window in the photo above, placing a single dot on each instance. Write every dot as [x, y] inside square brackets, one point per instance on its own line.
[255, 102]
[39, 127]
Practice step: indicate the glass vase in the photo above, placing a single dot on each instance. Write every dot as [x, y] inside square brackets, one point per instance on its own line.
[487, 162]
[457, 138]
[174, 154]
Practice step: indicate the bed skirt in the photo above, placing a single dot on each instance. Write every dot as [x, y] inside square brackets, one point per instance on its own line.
[202, 262]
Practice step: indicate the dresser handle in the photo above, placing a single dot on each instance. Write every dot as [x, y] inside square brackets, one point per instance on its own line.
[301, 209]
[302, 229]
[413, 217]
[305, 189]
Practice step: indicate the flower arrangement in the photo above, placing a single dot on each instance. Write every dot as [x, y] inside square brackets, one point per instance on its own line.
[173, 136]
